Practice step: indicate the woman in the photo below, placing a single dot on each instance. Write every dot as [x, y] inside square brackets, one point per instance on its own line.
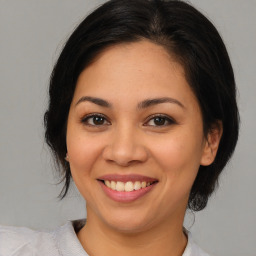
[143, 117]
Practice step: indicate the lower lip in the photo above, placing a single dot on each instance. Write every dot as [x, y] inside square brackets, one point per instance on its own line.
[126, 197]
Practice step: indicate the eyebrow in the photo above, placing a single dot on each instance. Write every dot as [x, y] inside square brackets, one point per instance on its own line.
[97, 101]
[142, 105]
[151, 102]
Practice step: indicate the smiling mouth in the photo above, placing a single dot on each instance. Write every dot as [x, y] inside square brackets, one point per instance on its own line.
[128, 186]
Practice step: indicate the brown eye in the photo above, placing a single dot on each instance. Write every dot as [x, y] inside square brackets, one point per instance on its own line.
[98, 120]
[95, 120]
[160, 120]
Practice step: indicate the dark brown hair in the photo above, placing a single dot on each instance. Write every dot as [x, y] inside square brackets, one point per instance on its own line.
[188, 36]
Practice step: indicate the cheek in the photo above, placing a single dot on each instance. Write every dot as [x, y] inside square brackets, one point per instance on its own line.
[179, 158]
[83, 152]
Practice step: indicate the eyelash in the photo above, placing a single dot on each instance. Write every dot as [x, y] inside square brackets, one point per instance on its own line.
[167, 120]
[85, 119]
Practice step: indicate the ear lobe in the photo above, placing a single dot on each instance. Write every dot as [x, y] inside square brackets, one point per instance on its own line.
[212, 144]
[67, 157]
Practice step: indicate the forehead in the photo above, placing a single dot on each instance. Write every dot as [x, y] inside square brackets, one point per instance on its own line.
[143, 56]
[135, 70]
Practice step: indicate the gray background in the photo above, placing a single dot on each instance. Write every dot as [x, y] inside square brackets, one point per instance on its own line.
[31, 36]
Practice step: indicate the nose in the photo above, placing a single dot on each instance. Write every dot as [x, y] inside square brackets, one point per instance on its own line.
[125, 148]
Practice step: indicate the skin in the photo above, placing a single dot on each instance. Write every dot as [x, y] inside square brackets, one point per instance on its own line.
[130, 141]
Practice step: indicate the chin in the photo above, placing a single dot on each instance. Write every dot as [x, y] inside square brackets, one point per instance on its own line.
[129, 223]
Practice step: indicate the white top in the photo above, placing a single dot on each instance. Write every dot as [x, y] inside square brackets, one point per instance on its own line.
[19, 241]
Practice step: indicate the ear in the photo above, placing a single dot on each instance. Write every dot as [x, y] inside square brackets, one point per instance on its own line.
[67, 157]
[211, 144]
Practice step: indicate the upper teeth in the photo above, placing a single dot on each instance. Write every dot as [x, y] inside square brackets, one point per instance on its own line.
[126, 186]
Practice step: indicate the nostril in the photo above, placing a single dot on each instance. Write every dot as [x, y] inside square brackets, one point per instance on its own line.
[125, 156]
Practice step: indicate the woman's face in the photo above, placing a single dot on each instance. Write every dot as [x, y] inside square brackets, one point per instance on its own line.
[135, 122]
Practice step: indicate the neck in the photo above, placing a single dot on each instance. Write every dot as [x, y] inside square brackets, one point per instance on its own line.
[97, 238]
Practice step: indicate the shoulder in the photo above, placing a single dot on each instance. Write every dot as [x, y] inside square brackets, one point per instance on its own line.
[25, 241]
[21, 241]
[192, 248]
